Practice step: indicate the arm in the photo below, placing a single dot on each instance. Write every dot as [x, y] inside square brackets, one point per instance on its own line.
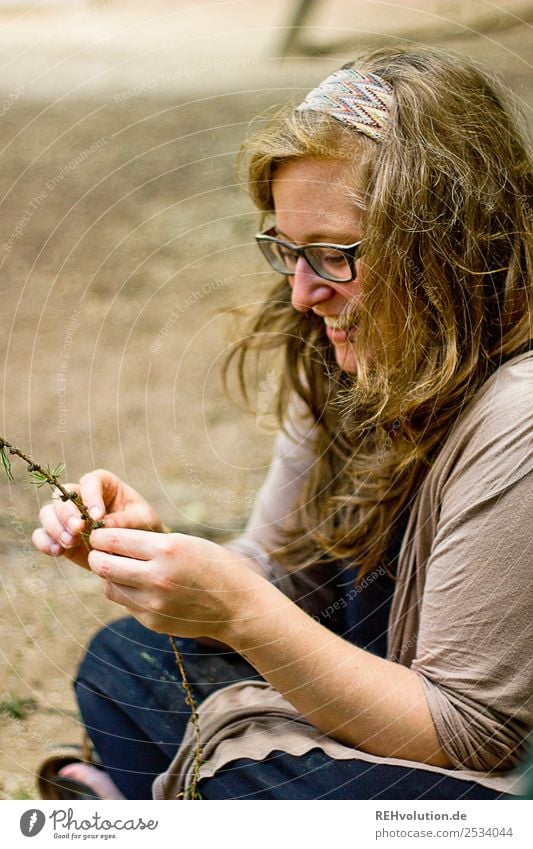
[346, 692]
[191, 587]
[315, 587]
[475, 629]
[475, 632]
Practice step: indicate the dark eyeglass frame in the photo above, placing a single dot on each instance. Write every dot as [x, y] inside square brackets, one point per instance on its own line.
[351, 253]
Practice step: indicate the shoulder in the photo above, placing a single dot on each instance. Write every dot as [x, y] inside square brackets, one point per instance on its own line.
[508, 393]
[491, 442]
[299, 429]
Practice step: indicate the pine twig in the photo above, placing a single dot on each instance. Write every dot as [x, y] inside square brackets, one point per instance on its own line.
[42, 475]
[192, 791]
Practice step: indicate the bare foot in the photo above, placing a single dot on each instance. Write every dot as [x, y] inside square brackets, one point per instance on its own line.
[97, 779]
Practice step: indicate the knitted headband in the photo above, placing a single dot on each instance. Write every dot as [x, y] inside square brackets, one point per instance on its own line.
[359, 100]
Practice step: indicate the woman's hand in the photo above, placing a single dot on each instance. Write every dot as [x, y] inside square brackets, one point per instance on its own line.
[190, 587]
[108, 499]
[174, 583]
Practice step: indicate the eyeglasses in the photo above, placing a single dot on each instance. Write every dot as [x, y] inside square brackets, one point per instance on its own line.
[335, 263]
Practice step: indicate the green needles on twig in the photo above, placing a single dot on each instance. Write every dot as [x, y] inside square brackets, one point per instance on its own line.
[41, 475]
[45, 475]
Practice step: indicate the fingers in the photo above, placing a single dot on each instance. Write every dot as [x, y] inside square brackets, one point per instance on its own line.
[76, 553]
[62, 522]
[130, 598]
[98, 489]
[141, 545]
[125, 580]
[43, 542]
[121, 571]
[61, 532]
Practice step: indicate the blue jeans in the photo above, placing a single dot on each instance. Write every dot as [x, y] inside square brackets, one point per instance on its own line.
[133, 707]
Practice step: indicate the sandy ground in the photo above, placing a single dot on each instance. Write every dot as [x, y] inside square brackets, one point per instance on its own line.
[126, 241]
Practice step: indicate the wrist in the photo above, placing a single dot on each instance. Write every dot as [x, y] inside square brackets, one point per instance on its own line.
[241, 600]
[256, 608]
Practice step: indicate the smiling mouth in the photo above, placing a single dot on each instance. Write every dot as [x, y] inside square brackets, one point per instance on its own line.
[339, 326]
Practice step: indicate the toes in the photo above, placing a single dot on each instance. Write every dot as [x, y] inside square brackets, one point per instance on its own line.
[96, 779]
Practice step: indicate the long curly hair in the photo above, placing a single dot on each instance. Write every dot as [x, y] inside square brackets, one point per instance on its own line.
[446, 295]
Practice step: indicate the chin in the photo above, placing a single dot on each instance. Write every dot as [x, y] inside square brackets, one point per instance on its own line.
[346, 360]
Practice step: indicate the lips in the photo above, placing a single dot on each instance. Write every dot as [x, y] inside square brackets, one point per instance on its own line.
[332, 321]
[336, 330]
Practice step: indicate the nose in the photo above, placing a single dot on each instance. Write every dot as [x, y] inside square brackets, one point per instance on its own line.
[308, 289]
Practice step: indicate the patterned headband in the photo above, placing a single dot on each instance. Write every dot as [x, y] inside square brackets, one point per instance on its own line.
[359, 100]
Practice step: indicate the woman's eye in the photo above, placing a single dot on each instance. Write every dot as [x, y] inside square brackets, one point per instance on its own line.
[335, 257]
[286, 254]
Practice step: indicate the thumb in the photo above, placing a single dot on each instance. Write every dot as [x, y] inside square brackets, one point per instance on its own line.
[133, 518]
[119, 519]
[97, 490]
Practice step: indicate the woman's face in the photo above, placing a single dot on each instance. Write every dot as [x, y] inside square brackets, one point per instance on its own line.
[311, 206]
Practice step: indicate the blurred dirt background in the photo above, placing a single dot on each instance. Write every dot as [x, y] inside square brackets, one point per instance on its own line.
[126, 241]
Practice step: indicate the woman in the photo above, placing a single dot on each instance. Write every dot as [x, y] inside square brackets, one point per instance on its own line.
[375, 615]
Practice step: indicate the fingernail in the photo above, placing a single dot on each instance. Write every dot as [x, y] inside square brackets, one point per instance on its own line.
[74, 524]
[65, 539]
[95, 513]
[55, 549]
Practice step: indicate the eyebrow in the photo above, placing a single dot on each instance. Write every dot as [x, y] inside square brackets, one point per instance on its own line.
[342, 239]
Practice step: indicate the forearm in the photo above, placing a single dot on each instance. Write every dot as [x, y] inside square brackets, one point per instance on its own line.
[255, 567]
[346, 692]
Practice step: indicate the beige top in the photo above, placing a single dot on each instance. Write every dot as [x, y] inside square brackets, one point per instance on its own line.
[461, 611]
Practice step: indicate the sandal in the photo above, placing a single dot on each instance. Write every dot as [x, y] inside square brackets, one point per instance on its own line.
[53, 786]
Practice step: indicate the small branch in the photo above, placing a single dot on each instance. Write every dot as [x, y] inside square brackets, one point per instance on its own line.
[42, 475]
[192, 791]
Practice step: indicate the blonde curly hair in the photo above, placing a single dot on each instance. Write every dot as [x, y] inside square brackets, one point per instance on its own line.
[447, 292]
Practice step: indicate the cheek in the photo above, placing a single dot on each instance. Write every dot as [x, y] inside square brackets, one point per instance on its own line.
[352, 291]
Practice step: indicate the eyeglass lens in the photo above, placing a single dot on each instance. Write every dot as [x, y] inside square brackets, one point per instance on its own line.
[329, 261]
